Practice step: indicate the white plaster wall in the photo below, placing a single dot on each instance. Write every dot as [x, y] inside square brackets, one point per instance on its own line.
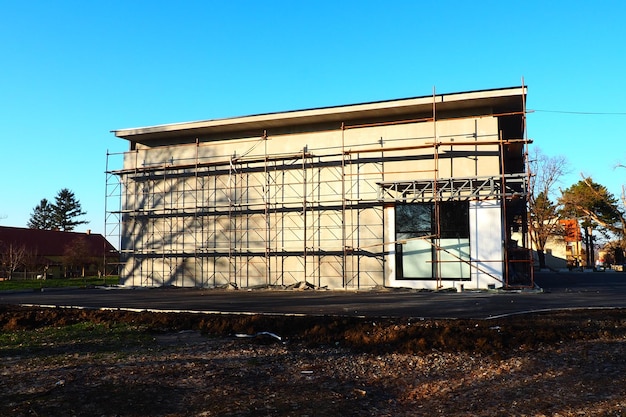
[486, 244]
[323, 185]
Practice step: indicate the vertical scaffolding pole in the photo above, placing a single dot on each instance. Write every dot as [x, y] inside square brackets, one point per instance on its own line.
[198, 220]
[526, 236]
[355, 221]
[503, 202]
[304, 214]
[231, 239]
[266, 197]
[343, 206]
[436, 196]
[386, 238]
[168, 233]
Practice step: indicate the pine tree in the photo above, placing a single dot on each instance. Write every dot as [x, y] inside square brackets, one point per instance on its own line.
[42, 216]
[60, 215]
[66, 209]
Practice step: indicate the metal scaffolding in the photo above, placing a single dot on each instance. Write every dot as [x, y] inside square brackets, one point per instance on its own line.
[276, 219]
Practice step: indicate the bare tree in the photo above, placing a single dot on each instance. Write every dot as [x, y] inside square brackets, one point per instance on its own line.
[34, 264]
[12, 256]
[546, 173]
[623, 196]
[76, 254]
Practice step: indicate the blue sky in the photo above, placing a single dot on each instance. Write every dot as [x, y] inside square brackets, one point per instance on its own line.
[72, 71]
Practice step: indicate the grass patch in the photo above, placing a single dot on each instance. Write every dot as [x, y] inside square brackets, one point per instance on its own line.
[32, 284]
[84, 337]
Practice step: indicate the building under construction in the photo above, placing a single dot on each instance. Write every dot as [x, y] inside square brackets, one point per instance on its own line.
[421, 193]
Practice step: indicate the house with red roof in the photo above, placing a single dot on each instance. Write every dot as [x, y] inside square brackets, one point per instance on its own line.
[33, 253]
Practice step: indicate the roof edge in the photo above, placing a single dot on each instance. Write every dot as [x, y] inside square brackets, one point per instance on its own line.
[321, 111]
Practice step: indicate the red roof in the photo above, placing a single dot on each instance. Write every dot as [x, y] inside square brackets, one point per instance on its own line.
[53, 243]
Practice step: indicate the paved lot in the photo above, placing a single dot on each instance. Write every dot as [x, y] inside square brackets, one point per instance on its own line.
[559, 291]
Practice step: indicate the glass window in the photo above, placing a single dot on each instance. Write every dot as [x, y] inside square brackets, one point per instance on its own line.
[416, 257]
[414, 220]
[419, 219]
[454, 219]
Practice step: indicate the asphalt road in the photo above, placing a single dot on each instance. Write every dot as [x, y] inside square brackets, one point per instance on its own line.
[565, 290]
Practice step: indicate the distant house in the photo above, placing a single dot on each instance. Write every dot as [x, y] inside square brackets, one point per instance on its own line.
[33, 253]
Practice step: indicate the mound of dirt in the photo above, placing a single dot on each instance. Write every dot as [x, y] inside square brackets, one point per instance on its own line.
[565, 364]
[403, 335]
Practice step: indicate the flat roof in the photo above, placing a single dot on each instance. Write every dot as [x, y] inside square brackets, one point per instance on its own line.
[501, 97]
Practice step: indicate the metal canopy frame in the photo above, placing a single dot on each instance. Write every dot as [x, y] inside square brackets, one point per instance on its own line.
[450, 189]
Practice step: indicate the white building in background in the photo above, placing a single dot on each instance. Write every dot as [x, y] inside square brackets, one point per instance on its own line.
[421, 192]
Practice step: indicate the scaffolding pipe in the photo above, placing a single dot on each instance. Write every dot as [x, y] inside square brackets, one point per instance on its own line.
[436, 195]
[343, 205]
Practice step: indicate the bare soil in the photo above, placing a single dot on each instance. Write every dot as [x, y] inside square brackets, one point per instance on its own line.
[569, 363]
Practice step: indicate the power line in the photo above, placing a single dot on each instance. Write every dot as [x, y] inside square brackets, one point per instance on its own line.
[579, 112]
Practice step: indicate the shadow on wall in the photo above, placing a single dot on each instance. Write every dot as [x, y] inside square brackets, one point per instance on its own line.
[156, 233]
[552, 262]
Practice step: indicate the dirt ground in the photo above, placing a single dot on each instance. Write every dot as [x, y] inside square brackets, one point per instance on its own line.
[568, 363]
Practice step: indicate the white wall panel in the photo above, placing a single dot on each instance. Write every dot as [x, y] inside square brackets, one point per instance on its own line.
[486, 243]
